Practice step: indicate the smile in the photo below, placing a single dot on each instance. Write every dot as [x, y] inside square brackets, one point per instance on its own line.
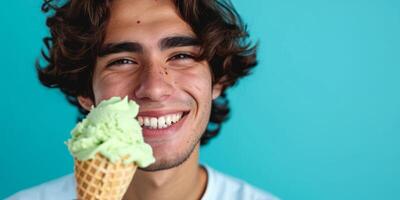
[160, 122]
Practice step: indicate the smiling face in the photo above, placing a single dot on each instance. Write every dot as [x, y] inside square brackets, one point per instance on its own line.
[148, 55]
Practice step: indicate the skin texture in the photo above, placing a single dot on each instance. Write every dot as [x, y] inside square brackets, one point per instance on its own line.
[161, 80]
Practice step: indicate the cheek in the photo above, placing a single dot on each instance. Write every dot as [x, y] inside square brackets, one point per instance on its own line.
[196, 83]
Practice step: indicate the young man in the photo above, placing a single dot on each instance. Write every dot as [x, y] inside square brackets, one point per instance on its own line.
[174, 58]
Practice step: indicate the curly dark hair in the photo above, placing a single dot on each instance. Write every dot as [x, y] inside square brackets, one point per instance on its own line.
[77, 31]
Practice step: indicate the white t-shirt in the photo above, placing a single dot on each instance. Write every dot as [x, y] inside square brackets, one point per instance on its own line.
[219, 187]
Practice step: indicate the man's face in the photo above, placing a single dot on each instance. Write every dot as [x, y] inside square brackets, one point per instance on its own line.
[148, 56]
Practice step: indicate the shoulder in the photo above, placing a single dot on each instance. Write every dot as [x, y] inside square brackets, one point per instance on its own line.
[223, 187]
[60, 188]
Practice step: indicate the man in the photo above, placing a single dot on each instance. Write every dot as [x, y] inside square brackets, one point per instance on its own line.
[175, 59]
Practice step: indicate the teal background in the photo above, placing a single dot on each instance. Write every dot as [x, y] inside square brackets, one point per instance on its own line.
[318, 119]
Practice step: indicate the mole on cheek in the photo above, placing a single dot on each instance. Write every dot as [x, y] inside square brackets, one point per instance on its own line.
[165, 71]
[138, 22]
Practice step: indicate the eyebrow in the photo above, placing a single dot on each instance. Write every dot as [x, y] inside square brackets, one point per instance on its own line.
[135, 47]
[178, 41]
[112, 48]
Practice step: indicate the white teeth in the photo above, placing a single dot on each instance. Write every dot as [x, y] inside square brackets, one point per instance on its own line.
[141, 121]
[160, 122]
[175, 118]
[168, 119]
[146, 121]
[153, 122]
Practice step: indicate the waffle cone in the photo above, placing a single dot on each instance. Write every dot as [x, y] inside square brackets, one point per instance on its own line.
[100, 179]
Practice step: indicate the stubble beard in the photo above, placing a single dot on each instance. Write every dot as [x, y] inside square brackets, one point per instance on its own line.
[164, 164]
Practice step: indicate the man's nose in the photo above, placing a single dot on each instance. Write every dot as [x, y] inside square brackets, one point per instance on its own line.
[154, 85]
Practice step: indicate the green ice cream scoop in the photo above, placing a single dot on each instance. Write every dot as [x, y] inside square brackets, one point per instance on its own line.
[111, 130]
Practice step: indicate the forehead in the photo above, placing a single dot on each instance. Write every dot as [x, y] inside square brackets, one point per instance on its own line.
[144, 20]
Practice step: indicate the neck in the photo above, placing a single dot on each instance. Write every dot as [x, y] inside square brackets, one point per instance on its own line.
[186, 181]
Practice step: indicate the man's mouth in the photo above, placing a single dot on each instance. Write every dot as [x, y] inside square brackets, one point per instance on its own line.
[160, 122]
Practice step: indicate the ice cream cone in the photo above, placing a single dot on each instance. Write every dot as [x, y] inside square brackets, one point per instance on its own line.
[100, 179]
[108, 146]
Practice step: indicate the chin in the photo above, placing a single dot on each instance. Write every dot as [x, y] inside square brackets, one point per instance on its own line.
[170, 160]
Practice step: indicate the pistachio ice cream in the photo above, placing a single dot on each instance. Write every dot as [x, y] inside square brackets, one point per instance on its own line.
[111, 130]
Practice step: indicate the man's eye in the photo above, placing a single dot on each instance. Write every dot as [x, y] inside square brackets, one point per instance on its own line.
[181, 56]
[121, 62]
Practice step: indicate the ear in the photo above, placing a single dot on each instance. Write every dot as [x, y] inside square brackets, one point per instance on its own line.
[216, 91]
[85, 102]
